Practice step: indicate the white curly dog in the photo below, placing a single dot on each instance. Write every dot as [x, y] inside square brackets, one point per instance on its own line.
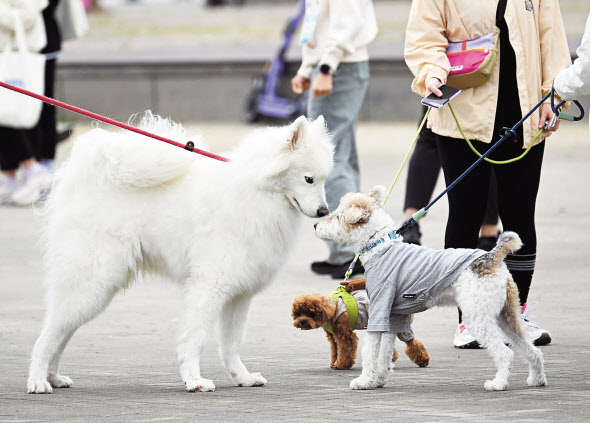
[484, 290]
[126, 205]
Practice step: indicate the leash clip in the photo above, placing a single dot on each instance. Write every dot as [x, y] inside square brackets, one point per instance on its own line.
[190, 146]
[509, 133]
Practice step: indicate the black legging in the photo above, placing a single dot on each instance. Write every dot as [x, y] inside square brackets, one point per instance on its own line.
[423, 171]
[517, 183]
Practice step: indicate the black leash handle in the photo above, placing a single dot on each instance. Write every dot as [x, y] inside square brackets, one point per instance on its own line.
[565, 116]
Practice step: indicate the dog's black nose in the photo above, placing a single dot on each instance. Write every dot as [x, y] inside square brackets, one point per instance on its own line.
[323, 211]
[315, 226]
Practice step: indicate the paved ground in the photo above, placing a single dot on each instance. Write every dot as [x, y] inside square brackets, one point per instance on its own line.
[124, 365]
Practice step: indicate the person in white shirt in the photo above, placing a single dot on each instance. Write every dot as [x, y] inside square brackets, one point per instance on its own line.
[17, 147]
[335, 64]
[574, 82]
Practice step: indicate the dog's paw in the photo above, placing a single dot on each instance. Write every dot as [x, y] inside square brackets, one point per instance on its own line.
[362, 383]
[391, 367]
[39, 387]
[537, 380]
[250, 379]
[495, 385]
[342, 366]
[200, 385]
[59, 381]
[381, 381]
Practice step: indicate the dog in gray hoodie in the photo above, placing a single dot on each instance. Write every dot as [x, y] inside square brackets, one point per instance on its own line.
[403, 279]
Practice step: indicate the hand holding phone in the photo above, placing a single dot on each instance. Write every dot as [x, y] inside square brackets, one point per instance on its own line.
[448, 93]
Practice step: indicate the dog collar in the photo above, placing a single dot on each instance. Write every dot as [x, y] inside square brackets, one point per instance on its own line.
[391, 235]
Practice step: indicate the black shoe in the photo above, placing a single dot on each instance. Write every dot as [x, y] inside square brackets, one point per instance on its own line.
[338, 271]
[412, 235]
[323, 267]
[487, 243]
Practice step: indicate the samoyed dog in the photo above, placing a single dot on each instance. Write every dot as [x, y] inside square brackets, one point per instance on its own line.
[124, 205]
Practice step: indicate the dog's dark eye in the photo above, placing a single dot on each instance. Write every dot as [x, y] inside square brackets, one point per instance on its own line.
[312, 314]
[309, 180]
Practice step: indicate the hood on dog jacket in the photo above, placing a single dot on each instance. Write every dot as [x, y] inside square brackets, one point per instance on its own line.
[401, 278]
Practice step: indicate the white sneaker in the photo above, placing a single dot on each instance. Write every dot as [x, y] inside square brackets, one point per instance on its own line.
[463, 338]
[8, 186]
[536, 334]
[37, 179]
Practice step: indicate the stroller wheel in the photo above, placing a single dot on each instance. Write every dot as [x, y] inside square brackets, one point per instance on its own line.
[251, 108]
[251, 113]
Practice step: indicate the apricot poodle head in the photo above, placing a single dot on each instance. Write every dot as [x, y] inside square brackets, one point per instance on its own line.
[311, 311]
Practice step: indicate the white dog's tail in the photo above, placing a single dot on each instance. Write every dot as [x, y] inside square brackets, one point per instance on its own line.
[129, 160]
[508, 242]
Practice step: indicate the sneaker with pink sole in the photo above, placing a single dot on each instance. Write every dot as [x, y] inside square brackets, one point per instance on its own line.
[536, 334]
[463, 338]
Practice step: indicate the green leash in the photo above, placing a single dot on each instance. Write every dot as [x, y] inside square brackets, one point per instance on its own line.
[499, 162]
[353, 264]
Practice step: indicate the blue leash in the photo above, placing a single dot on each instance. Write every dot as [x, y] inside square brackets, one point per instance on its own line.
[507, 133]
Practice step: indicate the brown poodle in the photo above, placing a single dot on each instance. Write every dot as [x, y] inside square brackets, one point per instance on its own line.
[312, 311]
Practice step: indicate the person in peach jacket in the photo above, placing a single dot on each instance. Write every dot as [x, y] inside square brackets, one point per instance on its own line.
[533, 49]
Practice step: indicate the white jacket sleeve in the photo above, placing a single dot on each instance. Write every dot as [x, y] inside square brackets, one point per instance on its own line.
[574, 82]
[28, 11]
[346, 20]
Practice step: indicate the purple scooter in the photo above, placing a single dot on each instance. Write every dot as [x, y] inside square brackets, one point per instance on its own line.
[263, 99]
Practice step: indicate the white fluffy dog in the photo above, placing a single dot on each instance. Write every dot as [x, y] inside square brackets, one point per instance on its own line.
[125, 205]
[482, 288]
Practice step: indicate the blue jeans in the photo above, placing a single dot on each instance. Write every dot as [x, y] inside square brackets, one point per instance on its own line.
[341, 108]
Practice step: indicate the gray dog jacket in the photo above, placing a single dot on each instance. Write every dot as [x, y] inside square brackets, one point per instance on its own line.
[401, 278]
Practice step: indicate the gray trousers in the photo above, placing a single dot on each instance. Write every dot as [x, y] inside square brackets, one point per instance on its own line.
[341, 108]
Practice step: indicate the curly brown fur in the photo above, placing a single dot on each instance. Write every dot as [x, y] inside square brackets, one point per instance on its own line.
[346, 343]
[354, 285]
[311, 311]
[416, 352]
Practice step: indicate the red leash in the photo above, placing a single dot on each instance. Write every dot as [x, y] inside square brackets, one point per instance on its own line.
[190, 146]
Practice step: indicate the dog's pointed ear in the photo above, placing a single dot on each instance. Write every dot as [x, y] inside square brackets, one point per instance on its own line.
[378, 194]
[356, 214]
[320, 123]
[297, 132]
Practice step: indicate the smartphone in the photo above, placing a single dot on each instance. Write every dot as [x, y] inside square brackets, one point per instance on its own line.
[448, 93]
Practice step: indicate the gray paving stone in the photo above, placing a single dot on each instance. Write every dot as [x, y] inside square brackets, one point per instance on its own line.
[124, 364]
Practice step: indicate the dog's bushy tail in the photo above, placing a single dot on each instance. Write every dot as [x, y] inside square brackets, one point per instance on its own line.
[129, 160]
[508, 242]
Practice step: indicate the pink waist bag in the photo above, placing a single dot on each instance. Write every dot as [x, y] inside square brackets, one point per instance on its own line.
[472, 61]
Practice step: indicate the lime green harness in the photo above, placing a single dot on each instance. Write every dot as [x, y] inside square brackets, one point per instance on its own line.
[351, 308]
